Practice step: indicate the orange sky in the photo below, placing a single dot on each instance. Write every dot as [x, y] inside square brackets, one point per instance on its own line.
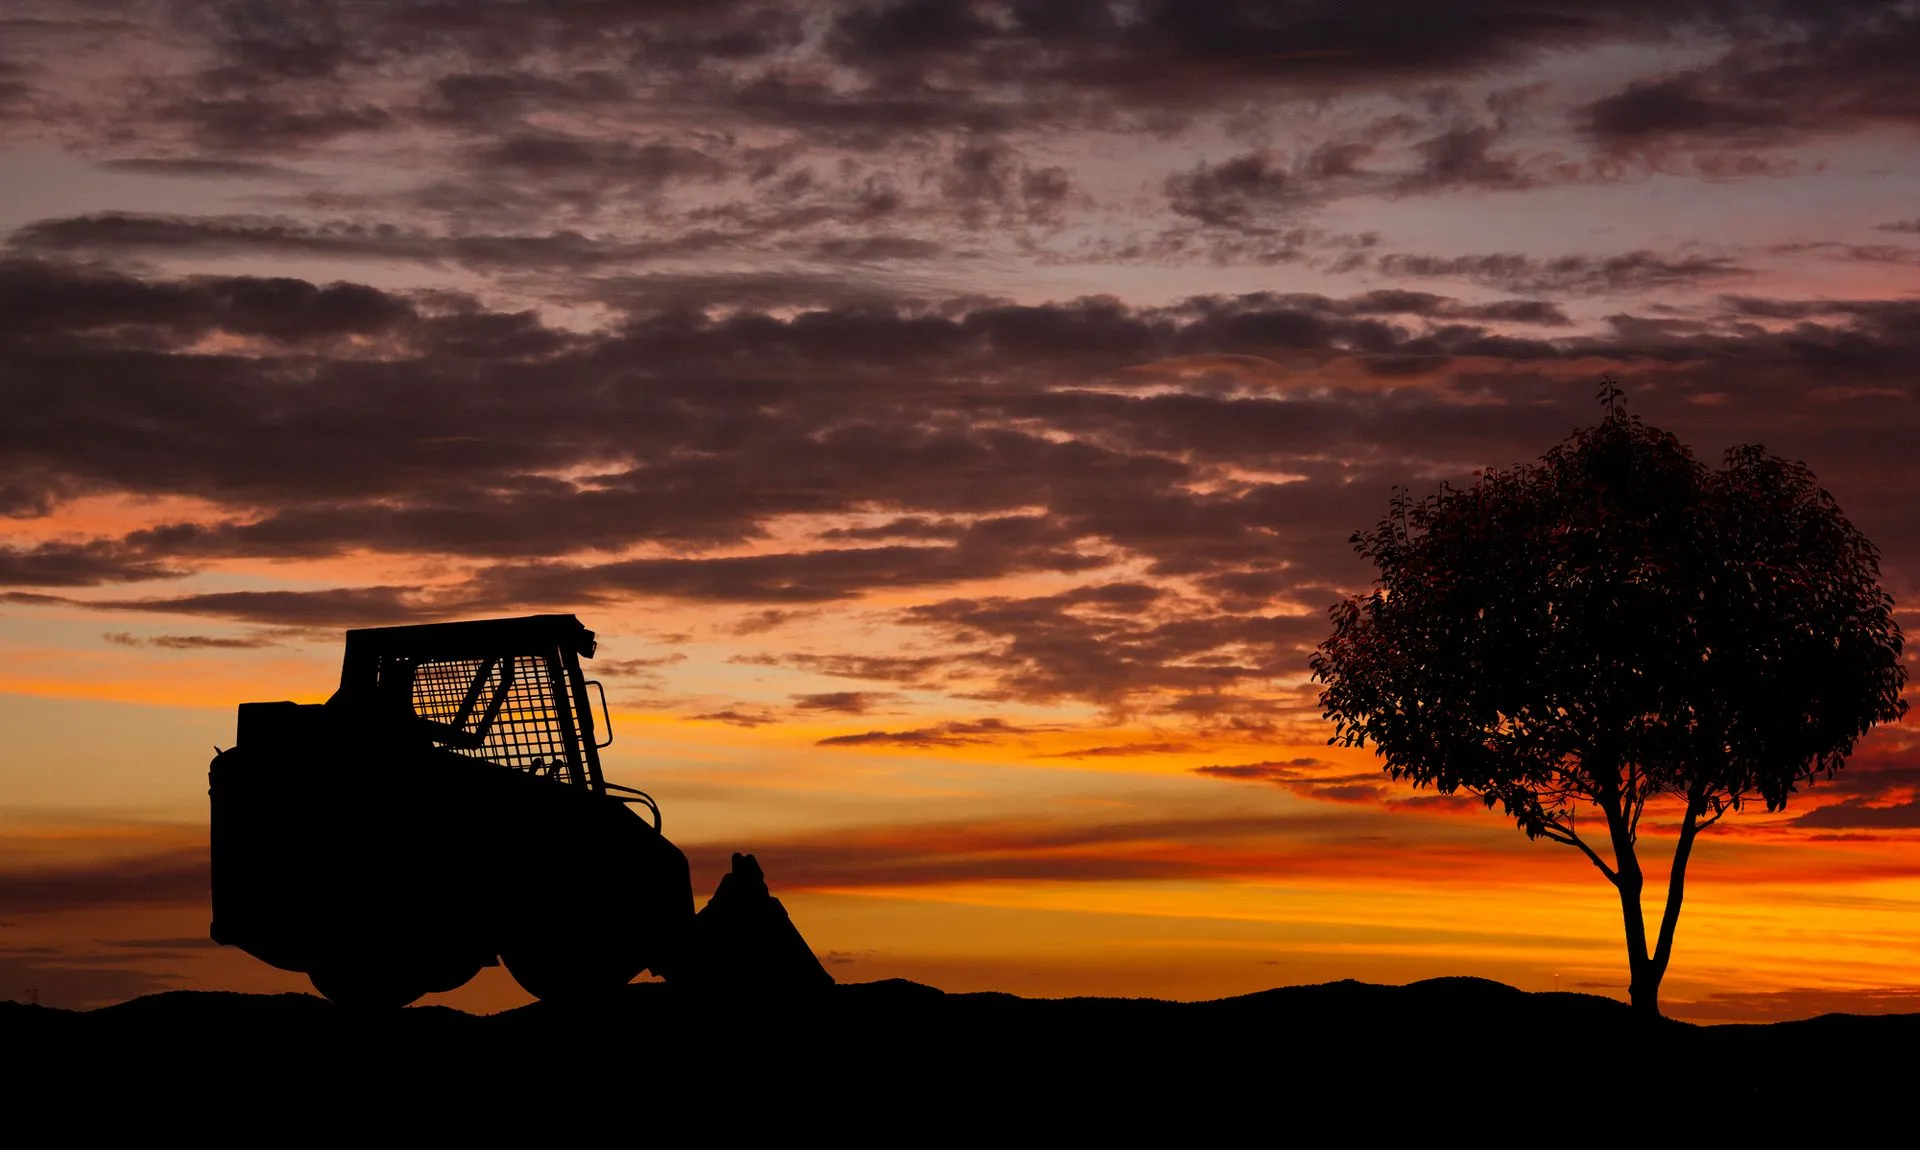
[1082, 856]
[951, 416]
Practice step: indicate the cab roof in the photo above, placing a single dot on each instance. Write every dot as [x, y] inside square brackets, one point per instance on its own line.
[471, 639]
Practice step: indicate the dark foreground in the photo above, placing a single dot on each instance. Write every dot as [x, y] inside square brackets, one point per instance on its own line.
[907, 1061]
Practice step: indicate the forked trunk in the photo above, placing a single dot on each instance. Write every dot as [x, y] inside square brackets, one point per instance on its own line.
[1646, 970]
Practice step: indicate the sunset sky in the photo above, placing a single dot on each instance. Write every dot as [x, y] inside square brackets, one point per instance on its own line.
[951, 416]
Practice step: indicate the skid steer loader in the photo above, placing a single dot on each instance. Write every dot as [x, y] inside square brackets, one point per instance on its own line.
[445, 810]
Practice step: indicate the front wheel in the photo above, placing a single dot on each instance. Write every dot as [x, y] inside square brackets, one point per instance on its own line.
[364, 988]
[570, 974]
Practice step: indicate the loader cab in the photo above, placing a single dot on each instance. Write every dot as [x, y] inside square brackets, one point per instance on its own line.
[507, 691]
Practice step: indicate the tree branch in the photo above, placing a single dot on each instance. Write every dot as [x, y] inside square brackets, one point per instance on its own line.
[1616, 808]
[1720, 809]
[1562, 834]
[1677, 879]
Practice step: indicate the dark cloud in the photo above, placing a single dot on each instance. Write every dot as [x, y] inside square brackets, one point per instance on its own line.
[637, 668]
[12, 80]
[190, 642]
[665, 293]
[868, 117]
[550, 156]
[735, 718]
[952, 734]
[941, 77]
[690, 449]
[45, 302]
[492, 100]
[260, 126]
[1122, 750]
[923, 737]
[906, 27]
[198, 167]
[907, 670]
[1214, 447]
[1425, 305]
[857, 865]
[335, 607]
[1854, 253]
[1463, 156]
[760, 622]
[873, 249]
[258, 41]
[1677, 105]
[174, 877]
[59, 564]
[844, 702]
[650, 94]
[1270, 771]
[1859, 813]
[190, 942]
[1327, 841]
[1628, 273]
[1305, 777]
[1258, 191]
[1229, 194]
[1114, 642]
[1168, 51]
[1848, 71]
[129, 233]
[792, 577]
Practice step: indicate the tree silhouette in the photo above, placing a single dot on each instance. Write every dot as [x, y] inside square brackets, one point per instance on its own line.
[1617, 625]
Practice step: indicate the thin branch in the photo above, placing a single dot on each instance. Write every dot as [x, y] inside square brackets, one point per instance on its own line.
[1720, 809]
[1676, 880]
[1561, 834]
[1637, 801]
[1612, 804]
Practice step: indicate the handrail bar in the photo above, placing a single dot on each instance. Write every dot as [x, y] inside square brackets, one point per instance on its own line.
[605, 714]
[638, 796]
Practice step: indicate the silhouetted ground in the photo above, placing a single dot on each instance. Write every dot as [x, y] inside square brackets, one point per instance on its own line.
[900, 1060]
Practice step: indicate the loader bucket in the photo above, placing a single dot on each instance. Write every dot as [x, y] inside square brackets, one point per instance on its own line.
[743, 942]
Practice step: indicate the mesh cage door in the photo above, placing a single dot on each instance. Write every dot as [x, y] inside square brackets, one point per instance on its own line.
[513, 707]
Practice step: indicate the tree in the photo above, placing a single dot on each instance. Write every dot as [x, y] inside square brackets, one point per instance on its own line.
[1617, 625]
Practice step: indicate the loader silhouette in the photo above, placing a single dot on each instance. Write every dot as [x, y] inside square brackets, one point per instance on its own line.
[445, 810]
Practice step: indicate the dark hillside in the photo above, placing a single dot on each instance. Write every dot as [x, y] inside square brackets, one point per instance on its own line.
[892, 1052]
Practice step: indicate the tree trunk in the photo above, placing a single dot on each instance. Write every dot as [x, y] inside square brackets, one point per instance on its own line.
[1647, 970]
[1643, 987]
[1644, 992]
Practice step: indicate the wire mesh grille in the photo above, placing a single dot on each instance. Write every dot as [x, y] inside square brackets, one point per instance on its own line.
[507, 701]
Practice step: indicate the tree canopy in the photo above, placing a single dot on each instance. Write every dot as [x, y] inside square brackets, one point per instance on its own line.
[1614, 625]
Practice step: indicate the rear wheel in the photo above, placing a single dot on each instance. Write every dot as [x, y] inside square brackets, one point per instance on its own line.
[367, 985]
[365, 988]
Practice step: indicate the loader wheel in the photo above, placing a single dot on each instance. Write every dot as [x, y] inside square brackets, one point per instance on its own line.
[554, 976]
[367, 986]
[363, 988]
